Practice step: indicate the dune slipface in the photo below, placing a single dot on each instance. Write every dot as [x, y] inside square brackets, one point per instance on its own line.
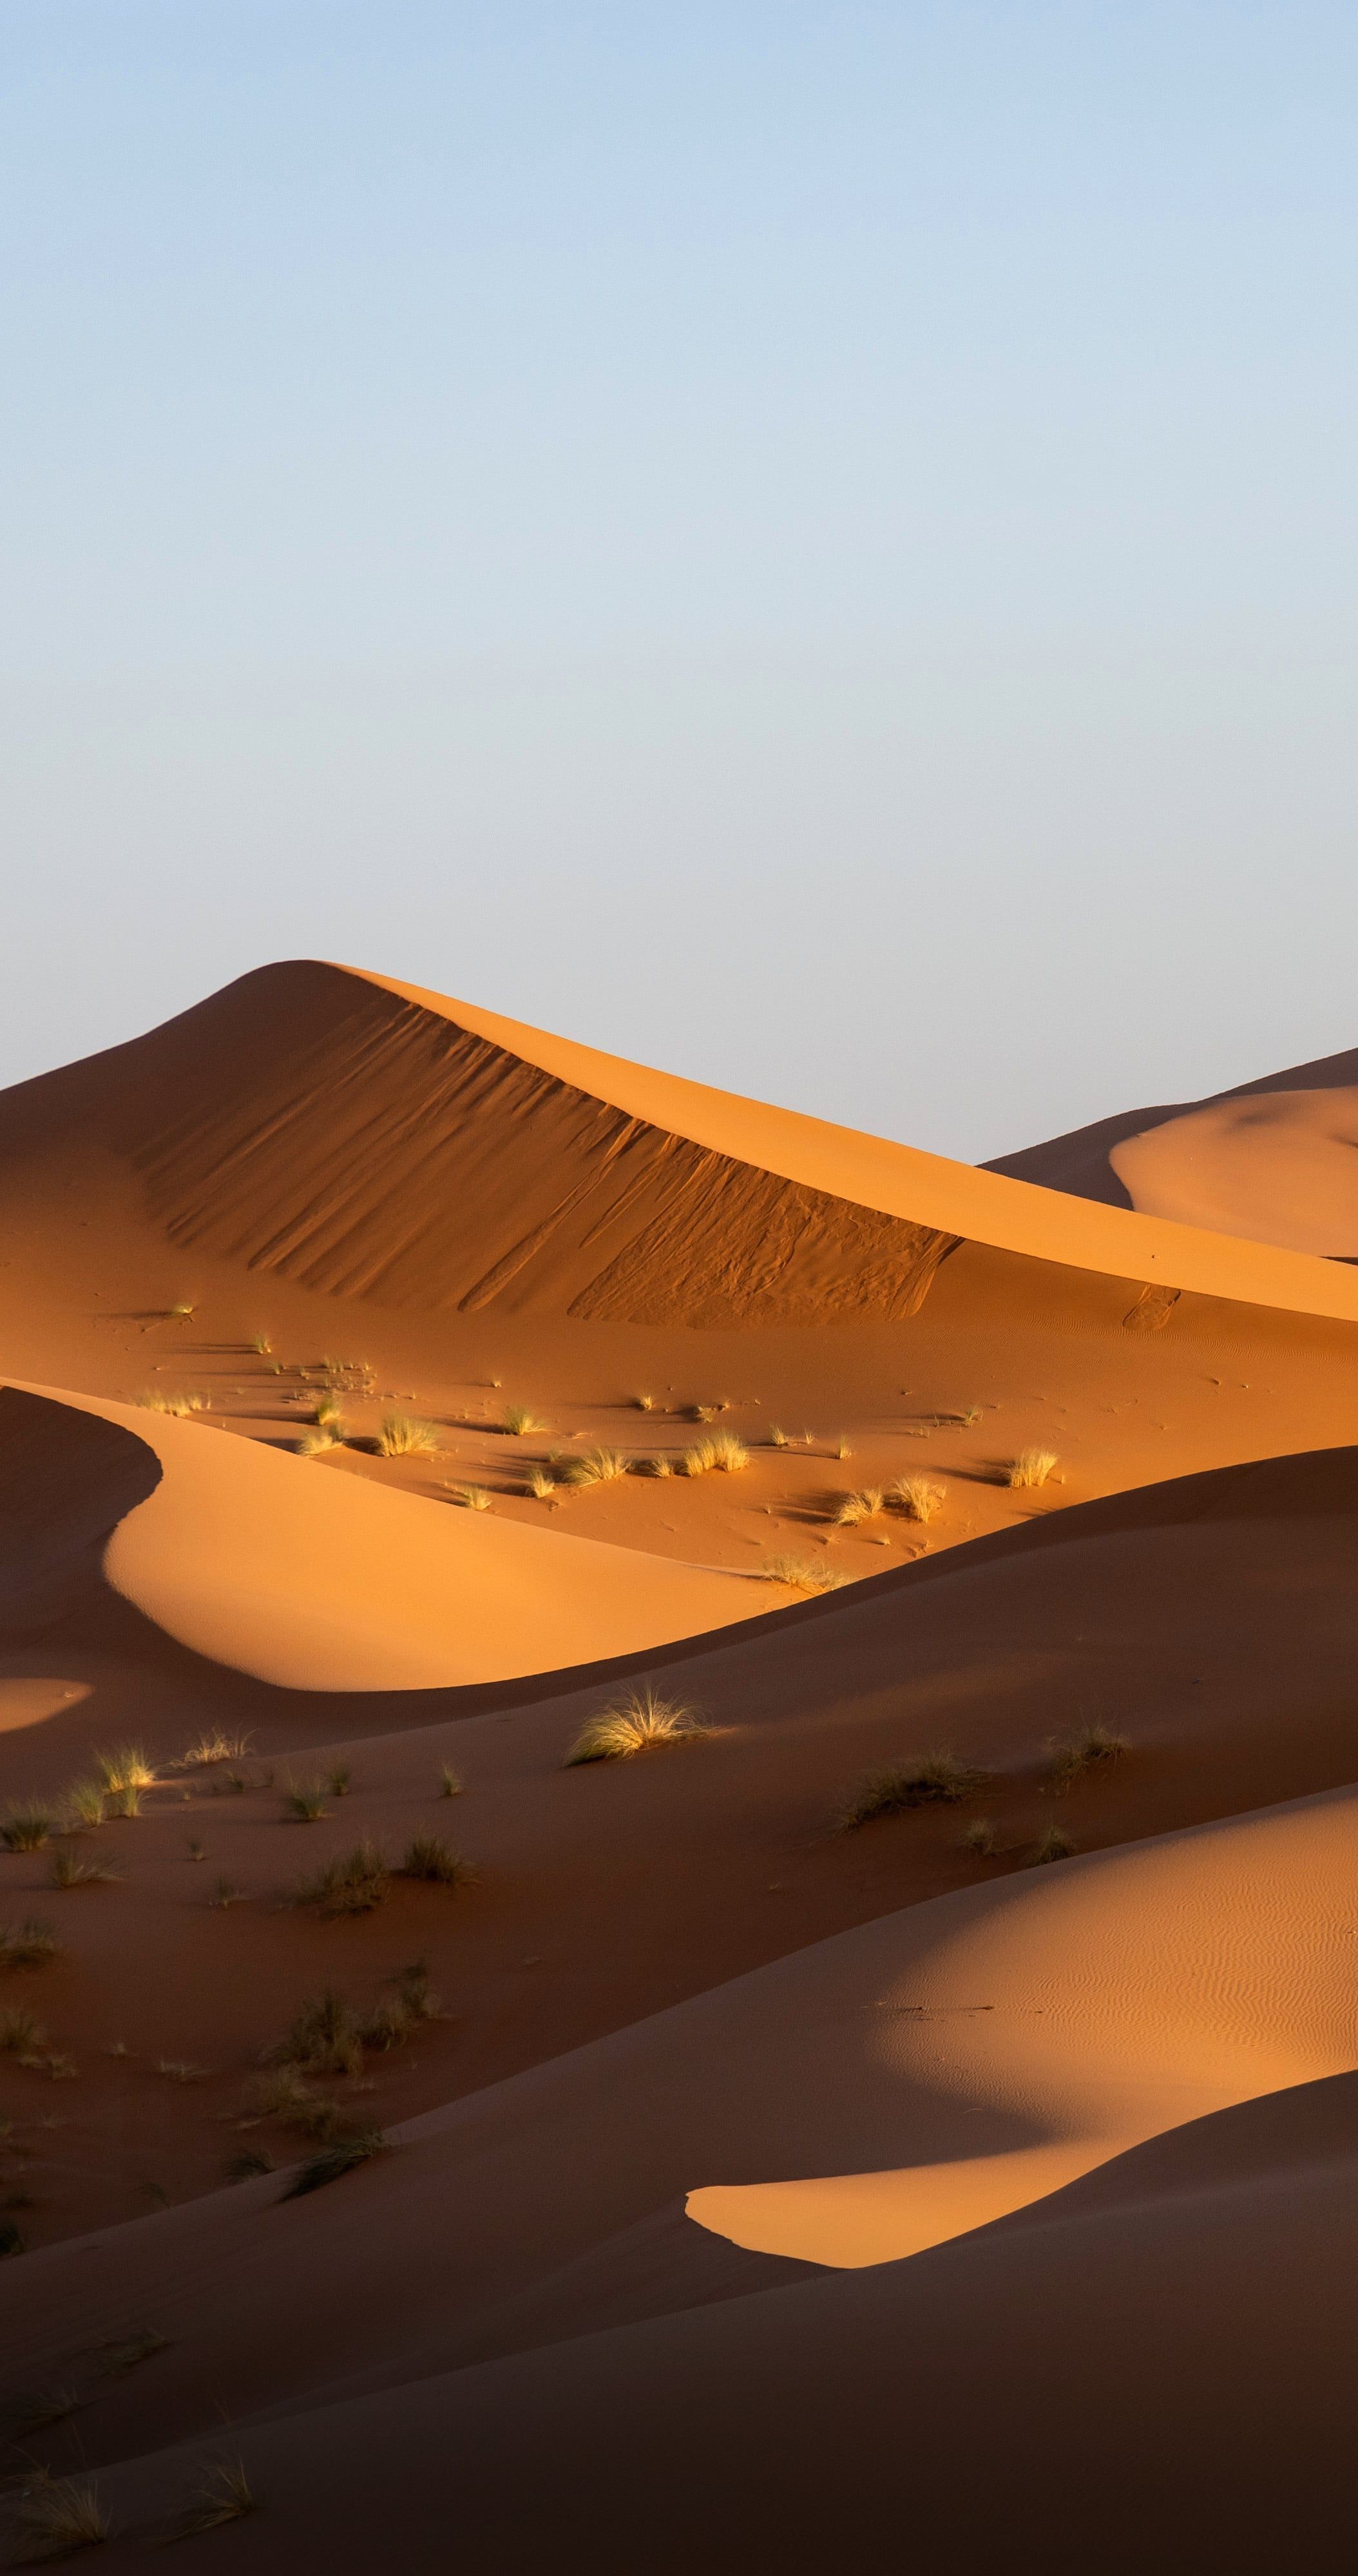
[935, 2044]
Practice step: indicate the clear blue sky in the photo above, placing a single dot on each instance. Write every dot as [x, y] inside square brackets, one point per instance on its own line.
[814, 545]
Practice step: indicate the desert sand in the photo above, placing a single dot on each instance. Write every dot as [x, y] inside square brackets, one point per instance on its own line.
[701, 2179]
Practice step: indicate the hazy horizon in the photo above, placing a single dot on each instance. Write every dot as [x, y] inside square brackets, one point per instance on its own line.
[811, 546]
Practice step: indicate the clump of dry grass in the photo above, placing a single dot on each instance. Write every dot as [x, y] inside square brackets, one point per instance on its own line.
[128, 1766]
[21, 2035]
[1053, 1843]
[158, 1399]
[658, 1465]
[472, 1498]
[451, 1783]
[180, 2070]
[1031, 1467]
[402, 1436]
[1090, 1748]
[329, 1413]
[27, 1945]
[214, 1745]
[56, 2516]
[339, 1780]
[340, 2157]
[183, 1313]
[26, 1828]
[519, 1421]
[540, 1484]
[917, 1496]
[304, 1802]
[223, 2495]
[777, 1436]
[979, 1837]
[633, 1725]
[924, 1779]
[353, 1882]
[324, 2038]
[67, 1871]
[720, 1453]
[803, 1573]
[842, 1449]
[325, 1436]
[84, 1806]
[596, 1467]
[283, 2094]
[249, 2165]
[644, 1403]
[226, 1894]
[124, 1802]
[261, 1344]
[859, 1507]
[427, 1856]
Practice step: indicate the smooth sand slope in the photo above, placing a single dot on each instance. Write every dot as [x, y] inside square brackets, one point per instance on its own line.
[1272, 1161]
[882, 2092]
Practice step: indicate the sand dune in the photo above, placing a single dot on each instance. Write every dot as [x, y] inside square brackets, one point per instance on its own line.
[1270, 1161]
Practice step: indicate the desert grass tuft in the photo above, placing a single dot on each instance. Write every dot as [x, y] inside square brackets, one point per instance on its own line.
[180, 2070]
[57, 2516]
[24, 1829]
[803, 1573]
[1031, 1467]
[1091, 1748]
[633, 1725]
[539, 1484]
[922, 1780]
[339, 1780]
[341, 2156]
[158, 1399]
[353, 1882]
[428, 1856]
[518, 1421]
[451, 1783]
[658, 1465]
[644, 1403]
[596, 1467]
[249, 2165]
[1053, 1843]
[283, 2094]
[866, 1506]
[322, 1439]
[83, 1806]
[21, 2034]
[224, 2494]
[721, 1453]
[402, 1436]
[226, 1894]
[473, 1498]
[214, 1745]
[261, 1344]
[123, 1802]
[128, 1766]
[27, 1945]
[842, 1449]
[979, 1837]
[777, 1436]
[304, 1802]
[323, 2040]
[917, 1496]
[67, 1871]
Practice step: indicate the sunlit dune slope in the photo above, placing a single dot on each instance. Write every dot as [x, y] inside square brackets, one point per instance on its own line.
[318, 1582]
[878, 2093]
[371, 1140]
[1272, 1161]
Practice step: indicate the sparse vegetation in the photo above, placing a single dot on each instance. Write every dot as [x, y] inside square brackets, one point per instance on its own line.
[658, 1465]
[354, 1882]
[262, 1345]
[859, 1507]
[24, 1829]
[21, 2035]
[842, 1449]
[84, 1806]
[324, 2038]
[180, 2070]
[539, 1484]
[596, 1467]
[720, 1452]
[917, 1496]
[451, 1784]
[519, 1421]
[57, 2516]
[249, 2165]
[322, 1438]
[67, 1871]
[283, 2094]
[304, 1802]
[183, 1313]
[126, 1767]
[215, 1745]
[123, 1802]
[223, 2495]
[226, 1894]
[27, 1945]
[339, 1780]
[1031, 1467]
[633, 1725]
[428, 1856]
[1053, 1843]
[403, 1436]
[473, 1498]
[979, 1837]
[340, 2157]
[924, 1779]
[1091, 1748]
[777, 1436]
[803, 1573]
[329, 1413]
[644, 1403]
[11, 2240]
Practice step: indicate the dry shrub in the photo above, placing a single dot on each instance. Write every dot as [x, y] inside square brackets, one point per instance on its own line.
[1053, 1843]
[720, 1453]
[1090, 1748]
[979, 1837]
[659, 1465]
[472, 1498]
[518, 1421]
[324, 2039]
[539, 1484]
[1031, 1467]
[353, 1882]
[633, 1725]
[917, 1496]
[402, 1436]
[319, 1442]
[596, 1467]
[803, 1573]
[924, 1779]
[859, 1507]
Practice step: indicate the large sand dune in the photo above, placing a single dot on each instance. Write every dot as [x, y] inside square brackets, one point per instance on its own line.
[755, 2179]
